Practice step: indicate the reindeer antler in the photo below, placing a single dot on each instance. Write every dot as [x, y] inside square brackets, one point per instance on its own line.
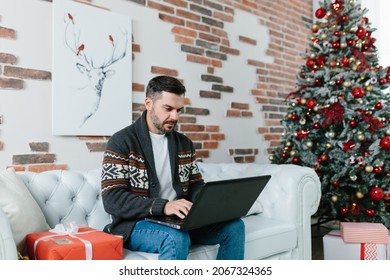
[119, 55]
[77, 48]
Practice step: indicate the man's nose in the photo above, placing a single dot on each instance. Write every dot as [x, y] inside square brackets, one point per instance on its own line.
[174, 115]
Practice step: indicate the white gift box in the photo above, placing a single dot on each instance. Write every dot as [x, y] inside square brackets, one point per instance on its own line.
[336, 249]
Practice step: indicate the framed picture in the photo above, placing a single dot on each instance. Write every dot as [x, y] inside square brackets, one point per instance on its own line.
[92, 70]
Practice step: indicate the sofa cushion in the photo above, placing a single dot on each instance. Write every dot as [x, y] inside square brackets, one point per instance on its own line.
[23, 212]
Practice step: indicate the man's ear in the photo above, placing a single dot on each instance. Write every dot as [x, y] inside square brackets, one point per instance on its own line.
[148, 103]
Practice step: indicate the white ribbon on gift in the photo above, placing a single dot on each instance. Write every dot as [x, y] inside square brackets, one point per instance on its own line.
[71, 230]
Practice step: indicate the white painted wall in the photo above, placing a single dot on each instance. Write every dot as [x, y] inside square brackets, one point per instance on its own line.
[27, 113]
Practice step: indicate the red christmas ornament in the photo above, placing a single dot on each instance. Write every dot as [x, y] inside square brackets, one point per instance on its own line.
[361, 32]
[377, 169]
[352, 123]
[295, 160]
[358, 92]
[310, 63]
[378, 106]
[377, 193]
[385, 142]
[320, 13]
[323, 158]
[316, 125]
[310, 103]
[370, 212]
[335, 45]
[350, 42]
[337, 33]
[293, 117]
[336, 183]
[382, 81]
[284, 155]
[344, 210]
[344, 17]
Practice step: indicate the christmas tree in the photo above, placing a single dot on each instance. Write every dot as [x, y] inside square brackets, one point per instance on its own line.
[338, 118]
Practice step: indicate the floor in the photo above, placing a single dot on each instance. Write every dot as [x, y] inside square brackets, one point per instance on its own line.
[317, 232]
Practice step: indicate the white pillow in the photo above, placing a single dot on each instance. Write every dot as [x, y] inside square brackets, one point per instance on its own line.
[23, 212]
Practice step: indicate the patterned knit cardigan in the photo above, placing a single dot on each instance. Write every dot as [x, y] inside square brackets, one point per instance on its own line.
[130, 187]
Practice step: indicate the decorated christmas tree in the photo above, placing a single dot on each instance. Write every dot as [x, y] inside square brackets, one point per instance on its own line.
[338, 118]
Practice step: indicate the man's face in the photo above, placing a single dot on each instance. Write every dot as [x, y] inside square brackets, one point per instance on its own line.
[163, 113]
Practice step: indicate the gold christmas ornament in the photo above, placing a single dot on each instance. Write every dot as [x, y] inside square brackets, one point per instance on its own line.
[334, 198]
[353, 178]
[309, 144]
[347, 84]
[369, 168]
[360, 137]
[359, 195]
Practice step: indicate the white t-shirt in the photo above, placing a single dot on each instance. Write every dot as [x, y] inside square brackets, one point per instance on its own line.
[163, 166]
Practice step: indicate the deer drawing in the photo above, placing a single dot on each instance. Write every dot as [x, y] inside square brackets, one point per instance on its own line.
[96, 74]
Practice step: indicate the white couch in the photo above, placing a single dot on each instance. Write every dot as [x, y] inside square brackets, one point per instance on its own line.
[281, 229]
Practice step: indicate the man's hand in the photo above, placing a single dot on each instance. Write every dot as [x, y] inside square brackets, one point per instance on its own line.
[179, 207]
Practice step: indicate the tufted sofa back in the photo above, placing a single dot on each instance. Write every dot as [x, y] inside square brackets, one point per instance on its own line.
[68, 196]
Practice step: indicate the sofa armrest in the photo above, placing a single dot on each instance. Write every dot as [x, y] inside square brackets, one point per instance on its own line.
[7, 244]
[292, 195]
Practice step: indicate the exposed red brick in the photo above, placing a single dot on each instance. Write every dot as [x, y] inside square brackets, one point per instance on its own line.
[39, 146]
[246, 114]
[6, 83]
[188, 15]
[233, 113]
[184, 31]
[210, 145]
[7, 58]
[163, 71]
[7, 33]
[217, 136]
[25, 73]
[202, 154]
[198, 136]
[161, 7]
[138, 87]
[241, 106]
[171, 19]
[212, 128]
[33, 158]
[179, 3]
[247, 40]
[17, 168]
[96, 146]
[192, 127]
[46, 167]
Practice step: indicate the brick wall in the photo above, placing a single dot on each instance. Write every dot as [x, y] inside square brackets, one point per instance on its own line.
[198, 29]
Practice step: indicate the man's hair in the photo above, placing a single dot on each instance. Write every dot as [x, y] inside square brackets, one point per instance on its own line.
[164, 83]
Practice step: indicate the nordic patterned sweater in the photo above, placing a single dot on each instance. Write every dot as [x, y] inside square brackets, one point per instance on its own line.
[130, 187]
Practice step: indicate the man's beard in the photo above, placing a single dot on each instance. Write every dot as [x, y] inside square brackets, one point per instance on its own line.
[160, 125]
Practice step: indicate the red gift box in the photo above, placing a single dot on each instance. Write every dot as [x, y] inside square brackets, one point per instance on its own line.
[85, 244]
[360, 232]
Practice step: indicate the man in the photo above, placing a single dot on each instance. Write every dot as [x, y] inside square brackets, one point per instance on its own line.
[149, 169]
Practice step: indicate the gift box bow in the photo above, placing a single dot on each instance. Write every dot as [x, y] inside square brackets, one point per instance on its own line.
[71, 230]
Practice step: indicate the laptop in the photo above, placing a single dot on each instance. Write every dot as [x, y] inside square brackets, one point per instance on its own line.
[218, 201]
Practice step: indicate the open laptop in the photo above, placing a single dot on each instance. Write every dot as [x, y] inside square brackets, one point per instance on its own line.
[218, 201]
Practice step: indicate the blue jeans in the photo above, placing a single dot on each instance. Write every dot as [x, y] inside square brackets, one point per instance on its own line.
[173, 244]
